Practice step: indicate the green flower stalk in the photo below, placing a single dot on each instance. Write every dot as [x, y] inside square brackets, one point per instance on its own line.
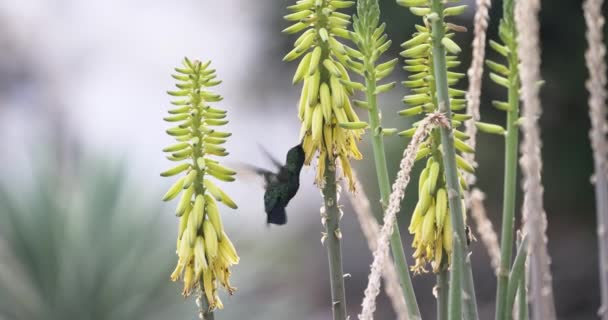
[429, 55]
[507, 76]
[372, 42]
[431, 224]
[205, 253]
[330, 126]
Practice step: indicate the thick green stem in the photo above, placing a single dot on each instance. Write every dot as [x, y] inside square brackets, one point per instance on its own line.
[510, 185]
[385, 191]
[332, 212]
[459, 268]
[515, 277]
[332, 242]
[442, 294]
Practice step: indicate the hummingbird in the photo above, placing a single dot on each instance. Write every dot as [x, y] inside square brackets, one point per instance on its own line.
[283, 185]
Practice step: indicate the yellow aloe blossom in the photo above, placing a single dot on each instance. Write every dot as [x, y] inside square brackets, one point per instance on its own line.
[330, 126]
[205, 253]
[431, 223]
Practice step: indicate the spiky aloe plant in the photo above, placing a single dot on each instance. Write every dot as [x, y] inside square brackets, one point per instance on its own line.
[205, 252]
[438, 221]
[372, 42]
[330, 126]
[430, 219]
[78, 246]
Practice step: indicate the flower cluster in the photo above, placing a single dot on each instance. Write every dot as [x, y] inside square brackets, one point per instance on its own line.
[505, 75]
[204, 250]
[329, 123]
[431, 222]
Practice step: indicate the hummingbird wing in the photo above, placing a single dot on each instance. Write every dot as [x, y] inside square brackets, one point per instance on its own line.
[272, 159]
[268, 175]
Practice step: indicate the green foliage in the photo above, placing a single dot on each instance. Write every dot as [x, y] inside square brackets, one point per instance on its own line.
[82, 248]
[367, 31]
[506, 74]
[371, 43]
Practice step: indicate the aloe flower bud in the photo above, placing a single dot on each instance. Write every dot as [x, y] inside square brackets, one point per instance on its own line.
[431, 223]
[330, 126]
[205, 253]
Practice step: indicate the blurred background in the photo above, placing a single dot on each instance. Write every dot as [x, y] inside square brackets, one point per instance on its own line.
[83, 233]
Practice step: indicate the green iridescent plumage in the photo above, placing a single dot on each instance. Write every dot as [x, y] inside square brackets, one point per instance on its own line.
[283, 185]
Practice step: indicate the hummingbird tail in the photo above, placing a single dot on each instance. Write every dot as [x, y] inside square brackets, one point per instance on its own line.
[277, 216]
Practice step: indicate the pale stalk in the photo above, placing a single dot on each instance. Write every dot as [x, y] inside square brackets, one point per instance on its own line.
[597, 112]
[535, 219]
[475, 74]
[394, 205]
[484, 227]
[385, 191]
[371, 231]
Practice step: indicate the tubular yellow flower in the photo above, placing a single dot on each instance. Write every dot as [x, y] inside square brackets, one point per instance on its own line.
[205, 253]
[330, 126]
[431, 222]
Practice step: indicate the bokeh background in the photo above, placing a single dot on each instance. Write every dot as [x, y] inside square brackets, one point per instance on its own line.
[83, 233]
